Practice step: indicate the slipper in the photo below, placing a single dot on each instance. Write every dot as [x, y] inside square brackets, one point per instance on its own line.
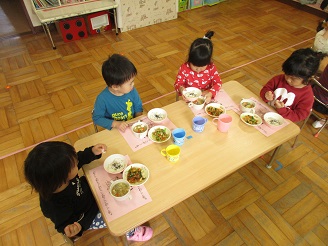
[141, 234]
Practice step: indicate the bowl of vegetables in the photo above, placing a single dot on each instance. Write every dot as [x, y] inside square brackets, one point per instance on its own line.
[139, 129]
[159, 134]
[214, 109]
[136, 174]
[251, 119]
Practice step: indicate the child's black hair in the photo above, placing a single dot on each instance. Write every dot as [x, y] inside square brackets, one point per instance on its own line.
[302, 63]
[200, 52]
[118, 69]
[48, 165]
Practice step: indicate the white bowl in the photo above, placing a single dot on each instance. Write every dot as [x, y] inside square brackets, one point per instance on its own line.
[273, 119]
[214, 109]
[191, 93]
[248, 117]
[139, 129]
[157, 115]
[120, 190]
[115, 163]
[159, 131]
[247, 106]
[136, 174]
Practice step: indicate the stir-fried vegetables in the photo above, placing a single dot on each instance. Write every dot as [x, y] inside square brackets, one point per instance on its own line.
[250, 119]
[160, 135]
[136, 175]
[214, 111]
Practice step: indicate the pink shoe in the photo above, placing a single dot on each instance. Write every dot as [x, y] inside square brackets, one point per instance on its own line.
[141, 234]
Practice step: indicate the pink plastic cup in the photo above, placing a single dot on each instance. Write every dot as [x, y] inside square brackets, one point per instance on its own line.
[224, 122]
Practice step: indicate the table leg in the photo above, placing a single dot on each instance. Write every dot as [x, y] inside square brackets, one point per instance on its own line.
[49, 34]
[125, 240]
[115, 20]
[275, 152]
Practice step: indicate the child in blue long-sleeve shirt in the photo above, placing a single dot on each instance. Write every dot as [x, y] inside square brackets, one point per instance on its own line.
[120, 101]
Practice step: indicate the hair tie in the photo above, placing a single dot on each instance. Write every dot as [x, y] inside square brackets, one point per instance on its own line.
[205, 37]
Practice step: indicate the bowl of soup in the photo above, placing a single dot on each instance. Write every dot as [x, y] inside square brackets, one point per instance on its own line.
[140, 129]
[120, 190]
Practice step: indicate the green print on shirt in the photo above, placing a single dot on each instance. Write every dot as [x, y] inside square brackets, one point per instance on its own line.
[123, 117]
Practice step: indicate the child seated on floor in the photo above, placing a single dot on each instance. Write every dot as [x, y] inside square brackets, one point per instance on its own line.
[119, 101]
[51, 168]
[199, 71]
[290, 92]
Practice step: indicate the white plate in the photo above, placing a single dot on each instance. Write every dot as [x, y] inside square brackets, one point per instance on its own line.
[144, 171]
[273, 119]
[115, 163]
[215, 105]
[154, 128]
[157, 115]
[258, 119]
[191, 93]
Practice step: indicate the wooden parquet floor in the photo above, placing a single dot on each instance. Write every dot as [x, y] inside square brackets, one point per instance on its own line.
[49, 94]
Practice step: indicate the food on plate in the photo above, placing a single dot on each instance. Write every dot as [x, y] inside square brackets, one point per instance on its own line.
[117, 164]
[160, 135]
[274, 122]
[191, 94]
[214, 111]
[120, 189]
[250, 119]
[248, 104]
[140, 128]
[157, 116]
[136, 175]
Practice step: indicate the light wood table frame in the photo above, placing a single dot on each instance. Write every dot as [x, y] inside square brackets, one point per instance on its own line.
[205, 158]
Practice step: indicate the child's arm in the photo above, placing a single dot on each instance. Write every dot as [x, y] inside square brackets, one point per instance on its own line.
[87, 155]
[216, 82]
[72, 229]
[99, 113]
[179, 84]
[300, 109]
[267, 90]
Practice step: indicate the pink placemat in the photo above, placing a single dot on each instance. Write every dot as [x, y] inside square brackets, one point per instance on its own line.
[261, 108]
[111, 208]
[223, 98]
[136, 143]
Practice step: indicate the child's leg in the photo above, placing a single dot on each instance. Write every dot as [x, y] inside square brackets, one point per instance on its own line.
[98, 222]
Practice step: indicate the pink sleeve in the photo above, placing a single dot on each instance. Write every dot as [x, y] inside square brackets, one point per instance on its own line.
[216, 81]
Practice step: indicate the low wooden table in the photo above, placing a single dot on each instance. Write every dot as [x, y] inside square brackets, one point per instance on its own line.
[205, 158]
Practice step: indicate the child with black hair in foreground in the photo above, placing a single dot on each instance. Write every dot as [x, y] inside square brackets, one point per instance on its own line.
[51, 168]
[199, 71]
[290, 92]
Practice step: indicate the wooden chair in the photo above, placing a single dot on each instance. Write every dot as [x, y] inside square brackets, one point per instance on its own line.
[315, 113]
[318, 115]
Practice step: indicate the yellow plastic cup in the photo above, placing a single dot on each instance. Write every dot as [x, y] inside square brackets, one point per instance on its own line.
[171, 152]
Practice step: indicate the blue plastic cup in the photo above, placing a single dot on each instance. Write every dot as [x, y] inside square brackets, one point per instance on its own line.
[198, 123]
[179, 135]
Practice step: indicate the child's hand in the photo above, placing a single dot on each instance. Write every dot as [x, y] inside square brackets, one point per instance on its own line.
[279, 104]
[120, 125]
[72, 229]
[269, 95]
[181, 89]
[99, 149]
[208, 96]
